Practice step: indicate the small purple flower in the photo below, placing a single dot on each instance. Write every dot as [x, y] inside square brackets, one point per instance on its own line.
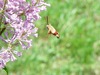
[18, 53]
[12, 57]
[2, 65]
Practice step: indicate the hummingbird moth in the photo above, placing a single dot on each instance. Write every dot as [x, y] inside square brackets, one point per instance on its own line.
[52, 30]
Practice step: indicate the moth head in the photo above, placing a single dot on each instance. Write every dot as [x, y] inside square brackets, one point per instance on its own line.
[48, 26]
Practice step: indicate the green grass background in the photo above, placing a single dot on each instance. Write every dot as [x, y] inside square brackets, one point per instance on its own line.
[76, 52]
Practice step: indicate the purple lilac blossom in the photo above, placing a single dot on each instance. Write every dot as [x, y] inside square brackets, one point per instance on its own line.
[18, 17]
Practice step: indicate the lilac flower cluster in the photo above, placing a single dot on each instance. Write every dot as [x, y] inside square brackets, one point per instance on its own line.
[17, 19]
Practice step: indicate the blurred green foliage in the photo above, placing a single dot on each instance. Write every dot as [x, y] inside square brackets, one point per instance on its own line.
[77, 50]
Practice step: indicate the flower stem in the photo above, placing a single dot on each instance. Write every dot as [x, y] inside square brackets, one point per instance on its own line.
[2, 12]
[1, 17]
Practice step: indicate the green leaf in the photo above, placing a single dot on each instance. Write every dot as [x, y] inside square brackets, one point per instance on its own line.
[5, 68]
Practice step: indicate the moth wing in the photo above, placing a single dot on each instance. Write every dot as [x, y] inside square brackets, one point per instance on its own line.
[52, 29]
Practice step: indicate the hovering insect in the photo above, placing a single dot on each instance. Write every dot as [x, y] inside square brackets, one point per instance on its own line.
[52, 30]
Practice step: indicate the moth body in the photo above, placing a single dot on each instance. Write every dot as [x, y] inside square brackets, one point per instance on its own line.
[52, 30]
